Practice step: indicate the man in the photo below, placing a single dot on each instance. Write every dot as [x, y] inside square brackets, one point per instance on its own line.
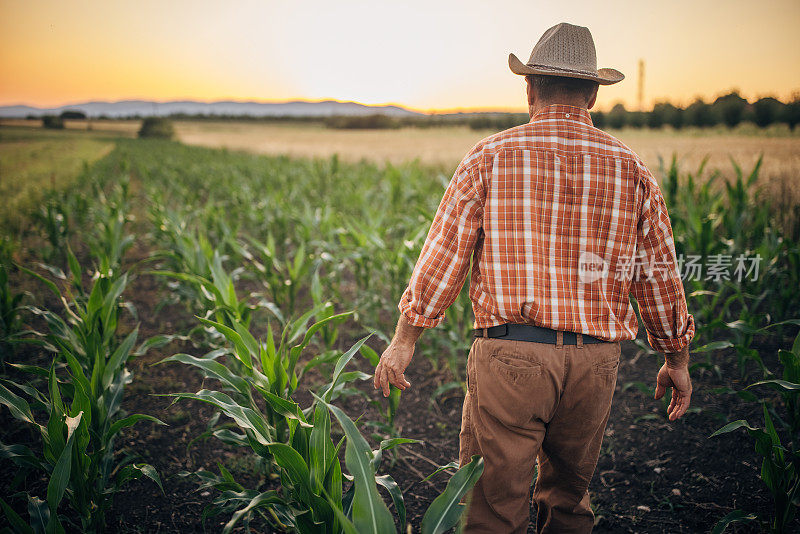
[562, 222]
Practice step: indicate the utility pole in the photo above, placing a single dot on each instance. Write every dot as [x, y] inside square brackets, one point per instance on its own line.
[641, 85]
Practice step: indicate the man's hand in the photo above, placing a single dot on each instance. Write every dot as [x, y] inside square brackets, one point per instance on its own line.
[390, 369]
[397, 356]
[678, 379]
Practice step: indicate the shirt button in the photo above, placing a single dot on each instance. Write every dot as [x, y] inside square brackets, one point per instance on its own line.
[567, 115]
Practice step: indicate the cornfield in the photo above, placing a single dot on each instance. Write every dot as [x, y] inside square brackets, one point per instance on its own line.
[268, 286]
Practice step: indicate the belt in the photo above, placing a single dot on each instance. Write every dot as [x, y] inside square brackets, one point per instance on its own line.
[529, 332]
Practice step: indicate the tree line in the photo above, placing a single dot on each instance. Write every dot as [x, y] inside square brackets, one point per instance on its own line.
[728, 110]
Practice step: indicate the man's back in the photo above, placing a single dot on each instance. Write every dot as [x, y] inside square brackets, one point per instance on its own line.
[569, 222]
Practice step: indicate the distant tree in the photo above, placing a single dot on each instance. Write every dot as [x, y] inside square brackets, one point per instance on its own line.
[72, 114]
[52, 122]
[748, 115]
[699, 114]
[618, 116]
[658, 116]
[675, 117]
[637, 119]
[791, 111]
[157, 127]
[599, 119]
[362, 122]
[730, 108]
[766, 111]
[665, 113]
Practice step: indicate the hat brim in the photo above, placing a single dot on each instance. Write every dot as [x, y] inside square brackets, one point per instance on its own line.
[603, 77]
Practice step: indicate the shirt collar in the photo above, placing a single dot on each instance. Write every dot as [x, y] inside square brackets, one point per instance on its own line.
[564, 112]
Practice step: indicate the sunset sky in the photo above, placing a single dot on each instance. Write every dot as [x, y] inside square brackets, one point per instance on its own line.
[426, 55]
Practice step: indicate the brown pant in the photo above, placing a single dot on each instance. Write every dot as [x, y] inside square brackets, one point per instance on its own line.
[526, 400]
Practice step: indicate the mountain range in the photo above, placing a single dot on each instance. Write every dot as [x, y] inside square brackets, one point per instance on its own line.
[129, 108]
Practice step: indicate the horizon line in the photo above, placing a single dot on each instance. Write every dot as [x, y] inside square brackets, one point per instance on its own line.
[425, 111]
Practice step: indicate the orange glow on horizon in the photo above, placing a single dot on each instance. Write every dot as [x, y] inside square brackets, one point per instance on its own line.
[431, 57]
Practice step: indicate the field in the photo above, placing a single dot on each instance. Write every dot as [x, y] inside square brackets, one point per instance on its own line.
[443, 147]
[222, 259]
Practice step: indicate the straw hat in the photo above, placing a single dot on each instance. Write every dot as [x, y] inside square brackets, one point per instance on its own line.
[565, 50]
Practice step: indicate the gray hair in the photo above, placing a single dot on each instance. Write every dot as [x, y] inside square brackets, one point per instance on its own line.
[552, 87]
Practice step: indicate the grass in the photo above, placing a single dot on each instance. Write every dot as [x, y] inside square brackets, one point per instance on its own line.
[32, 165]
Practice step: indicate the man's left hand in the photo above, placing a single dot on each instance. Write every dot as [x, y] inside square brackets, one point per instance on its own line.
[390, 369]
[679, 380]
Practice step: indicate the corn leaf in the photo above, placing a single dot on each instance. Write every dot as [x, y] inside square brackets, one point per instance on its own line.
[213, 369]
[39, 514]
[18, 406]
[233, 336]
[246, 418]
[340, 364]
[17, 523]
[262, 499]
[446, 509]
[129, 421]
[735, 516]
[370, 514]
[136, 471]
[119, 357]
[59, 478]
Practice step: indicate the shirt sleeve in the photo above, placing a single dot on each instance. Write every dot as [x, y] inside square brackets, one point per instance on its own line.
[443, 263]
[656, 283]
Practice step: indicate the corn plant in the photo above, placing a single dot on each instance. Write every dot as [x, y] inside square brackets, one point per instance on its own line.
[214, 292]
[299, 443]
[367, 511]
[109, 242]
[10, 319]
[330, 331]
[272, 368]
[780, 465]
[182, 248]
[734, 222]
[281, 431]
[77, 451]
[381, 271]
[78, 442]
[281, 274]
[53, 219]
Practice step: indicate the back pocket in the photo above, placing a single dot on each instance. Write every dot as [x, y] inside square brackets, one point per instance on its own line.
[512, 387]
[514, 368]
[607, 363]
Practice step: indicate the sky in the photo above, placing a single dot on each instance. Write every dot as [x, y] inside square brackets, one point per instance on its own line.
[430, 55]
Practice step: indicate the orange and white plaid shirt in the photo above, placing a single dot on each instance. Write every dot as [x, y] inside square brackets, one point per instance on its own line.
[562, 222]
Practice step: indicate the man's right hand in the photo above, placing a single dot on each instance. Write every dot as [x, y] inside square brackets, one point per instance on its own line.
[678, 379]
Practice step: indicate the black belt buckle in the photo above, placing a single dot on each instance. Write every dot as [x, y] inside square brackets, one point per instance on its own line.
[498, 331]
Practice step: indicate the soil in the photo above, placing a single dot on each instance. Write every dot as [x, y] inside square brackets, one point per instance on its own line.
[653, 475]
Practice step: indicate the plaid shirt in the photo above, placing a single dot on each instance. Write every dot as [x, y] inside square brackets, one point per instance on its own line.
[562, 222]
